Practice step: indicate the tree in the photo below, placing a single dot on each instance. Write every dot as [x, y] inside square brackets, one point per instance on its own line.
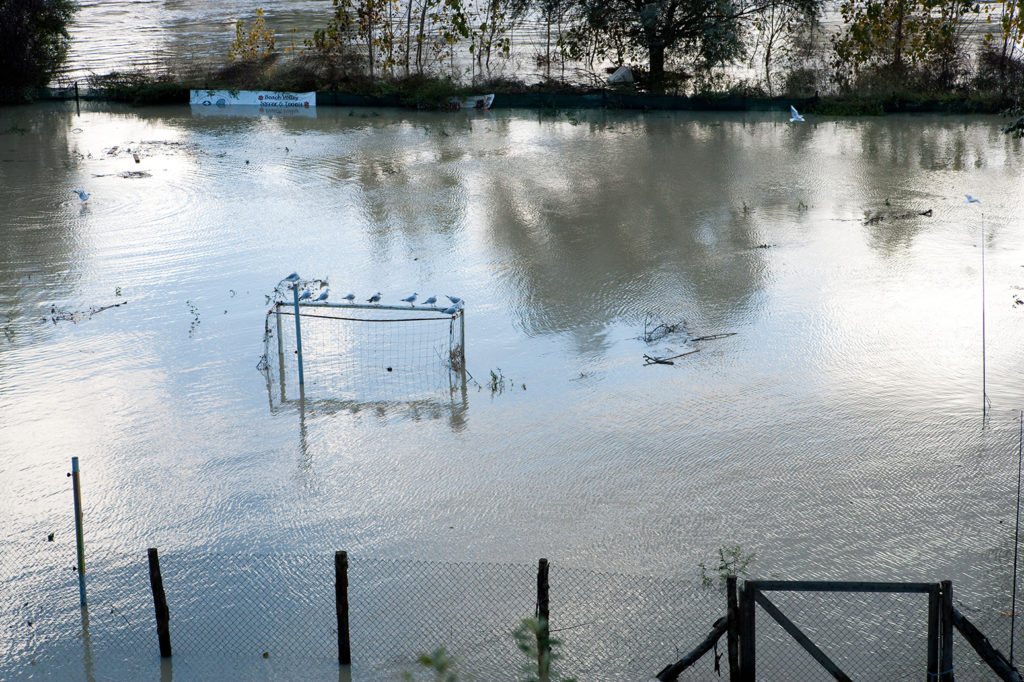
[709, 31]
[256, 43]
[33, 42]
[890, 36]
[778, 26]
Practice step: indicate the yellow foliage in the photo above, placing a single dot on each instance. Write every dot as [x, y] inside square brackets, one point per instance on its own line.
[256, 43]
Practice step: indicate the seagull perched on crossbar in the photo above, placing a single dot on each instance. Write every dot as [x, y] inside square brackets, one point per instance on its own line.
[430, 301]
[375, 298]
[455, 300]
[796, 117]
[305, 294]
[411, 300]
[350, 298]
[323, 295]
[453, 309]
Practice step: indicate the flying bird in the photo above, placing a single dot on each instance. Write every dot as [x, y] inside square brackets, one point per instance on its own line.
[82, 194]
[350, 298]
[322, 296]
[430, 301]
[971, 200]
[375, 298]
[411, 300]
[796, 115]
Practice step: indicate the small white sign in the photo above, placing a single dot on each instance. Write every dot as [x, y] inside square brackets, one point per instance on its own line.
[253, 98]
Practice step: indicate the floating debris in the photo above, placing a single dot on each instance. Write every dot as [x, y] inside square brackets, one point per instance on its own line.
[880, 217]
[654, 360]
[77, 316]
[657, 332]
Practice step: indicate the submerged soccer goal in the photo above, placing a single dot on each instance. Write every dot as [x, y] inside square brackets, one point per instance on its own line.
[363, 353]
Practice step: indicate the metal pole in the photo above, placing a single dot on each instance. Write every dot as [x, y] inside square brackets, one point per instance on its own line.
[280, 339]
[462, 337]
[79, 536]
[298, 334]
[984, 392]
[1016, 536]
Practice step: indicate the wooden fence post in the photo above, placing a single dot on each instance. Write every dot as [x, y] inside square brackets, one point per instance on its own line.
[163, 614]
[544, 633]
[341, 607]
[934, 606]
[732, 614]
[748, 664]
[946, 618]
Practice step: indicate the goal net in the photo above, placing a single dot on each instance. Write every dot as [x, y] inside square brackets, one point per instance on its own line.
[363, 353]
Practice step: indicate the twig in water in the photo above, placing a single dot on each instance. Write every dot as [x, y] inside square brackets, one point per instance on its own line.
[651, 360]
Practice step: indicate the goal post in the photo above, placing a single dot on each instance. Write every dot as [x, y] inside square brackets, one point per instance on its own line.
[366, 353]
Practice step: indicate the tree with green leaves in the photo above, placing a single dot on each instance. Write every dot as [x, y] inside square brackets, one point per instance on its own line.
[706, 32]
[895, 37]
[33, 42]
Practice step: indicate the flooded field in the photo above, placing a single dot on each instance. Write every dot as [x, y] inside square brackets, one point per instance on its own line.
[837, 432]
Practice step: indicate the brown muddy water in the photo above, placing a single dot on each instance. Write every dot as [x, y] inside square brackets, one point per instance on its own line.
[837, 434]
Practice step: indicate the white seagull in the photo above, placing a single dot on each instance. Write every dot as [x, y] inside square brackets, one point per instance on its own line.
[971, 200]
[375, 298]
[305, 294]
[350, 298]
[411, 300]
[455, 300]
[294, 277]
[82, 194]
[453, 309]
[323, 295]
[796, 115]
[430, 301]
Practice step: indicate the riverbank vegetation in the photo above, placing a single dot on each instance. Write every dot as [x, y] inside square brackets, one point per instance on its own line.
[860, 57]
[33, 43]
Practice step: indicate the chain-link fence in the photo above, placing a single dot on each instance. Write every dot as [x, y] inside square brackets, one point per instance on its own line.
[274, 616]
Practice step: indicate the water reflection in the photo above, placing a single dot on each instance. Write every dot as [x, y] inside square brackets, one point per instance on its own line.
[837, 434]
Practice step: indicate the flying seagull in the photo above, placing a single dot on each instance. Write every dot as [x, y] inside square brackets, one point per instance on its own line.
[411, 300]
[430, 301]
[350, 298]
[82, 194]
[971, 200]
[796, 115]
[322, 296]
[375, 298]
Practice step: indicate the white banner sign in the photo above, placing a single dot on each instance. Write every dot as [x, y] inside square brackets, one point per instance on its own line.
[253, 98]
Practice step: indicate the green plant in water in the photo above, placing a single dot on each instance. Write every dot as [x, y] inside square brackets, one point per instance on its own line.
[534, 639]
[732, 561]
[531, 637]
[440, 662]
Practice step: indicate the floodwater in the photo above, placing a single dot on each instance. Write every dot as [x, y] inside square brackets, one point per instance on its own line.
[838, 433]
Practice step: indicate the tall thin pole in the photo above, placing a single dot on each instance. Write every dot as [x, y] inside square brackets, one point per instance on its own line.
[79, 535]
[298, 334]
[1016, 535]
[984, 392]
